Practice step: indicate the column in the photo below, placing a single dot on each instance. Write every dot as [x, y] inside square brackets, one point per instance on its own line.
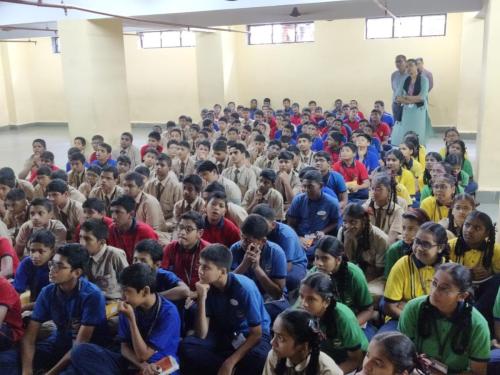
[95, 84]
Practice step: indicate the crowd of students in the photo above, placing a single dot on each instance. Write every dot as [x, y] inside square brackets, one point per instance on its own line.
[261, 240]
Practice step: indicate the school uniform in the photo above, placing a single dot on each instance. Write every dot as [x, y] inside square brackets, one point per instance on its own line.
[76, 179]
[132, 152]
[426, 191]
[76, 195]
[224, 232]
[391, 224]
[182, 206]
[127, 240]
[295, 184]
[108, 163]
[326, 365]
[307, 159]
[70, 215]
[183, 168]
[31, 277]
[6, 250]
[105, 268]
[39, 192]
[233, 192]
[232, 312]
[433, 209]
[273, 198]
[355, 173]
[236, 213]
[407, 179]
[370, 160]
[11, 329]
[243, 176]
[99, 193]
[27, 229]
[474, 257]
[438, 344]
[86, 188]
[396, 251]
[335, 181]
[27, 187]
[264, 163]
[284, 236]
[167, 191]
[148, 210]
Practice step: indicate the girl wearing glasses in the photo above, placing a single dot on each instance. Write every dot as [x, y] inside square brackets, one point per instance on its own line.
[437, 206]
[463, 204]
[446, 327]
[412, 274]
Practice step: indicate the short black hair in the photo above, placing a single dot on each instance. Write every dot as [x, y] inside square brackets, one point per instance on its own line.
[77, 156]
[47, 155]
[269, 174]
[152, 150]
[44, 171]
[285, 155]
[113, 170]
[124, 159]
[185, 144]
[7, 177]
[215, 186]
[95, 204]
[264, 210]
[154, 135]
[41, 141]
[152, 247]
[96, 227]
[128, 203]
[138, 276]
[44, 202]
[98, 137]
[255, 226]
[57, 186]
[304, 136]
[106, 146]
[323, 154]
[43, 236]
[59, 174]
[142, 170]
[135, 177]
[76, 255]
[194, 180]
[259, 138]
[219, 255]
[239, 146]
[95, 169]
[15, 195]
[195, 217]
[165, 158]
[206, 166]
[314, 176]
[128, 134]
[218, 195]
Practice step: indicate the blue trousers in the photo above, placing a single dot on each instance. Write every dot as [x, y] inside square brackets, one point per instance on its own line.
[295, 276]
[274, 308]
[389, 326]
[206, 356]
[494, 363]
[92, 359]
[10, 362]
[370, 330]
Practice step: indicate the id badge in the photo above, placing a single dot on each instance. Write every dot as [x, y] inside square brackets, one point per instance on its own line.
[238, 341]
[438, 366]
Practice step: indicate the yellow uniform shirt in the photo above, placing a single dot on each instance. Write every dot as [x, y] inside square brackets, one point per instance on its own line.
[418, 172]
[473, 257]
[421, 154]
[435, 211]
[408, 180]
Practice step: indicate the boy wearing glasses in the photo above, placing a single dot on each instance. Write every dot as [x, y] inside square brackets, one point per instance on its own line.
[75, 305]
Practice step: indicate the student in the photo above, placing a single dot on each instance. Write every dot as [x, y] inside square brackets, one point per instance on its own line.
[202, 151]
[350, 285]
[183, 165]
[171, 149]
[218, 229]
[364, 244]
[42, 180]
[437, 206]
[413, 219]
[344, 340]
[128, 149]
[107, 189]
[476, 249]
[331, 179]
[304, 144]
[124, 166]
[455, 162]
[11, 326]
[106, 262]
[285, 237]
[408, 149]
[209, 172]
[75, 305]
[164, 186]
[287, 182]
[334, 141]
[394, 160]
[168, 285]
[270, 159]
[383, 208]
[16, 213]
[234, 212]
[46, 159]
[494, 365]
[40, 217]
[153, 142]
[149, 329]
[126, 231]
[262, 261]
[296, 347]
[91, 179]
[265, 193]
[222, 160]
[239, 172]
[8, 259]
[8, 181]
[431, 159]
[458, 148]
[95, 142]
[445, 326]
[463, 205]
[411, 276]
[103, 156]
[313, 213]
[73, 193]
[93, 209]
[31, 165]
[354, 173]
[364, 153]
[149, 161]
[76, 175]
[232, 325]
[191, 197]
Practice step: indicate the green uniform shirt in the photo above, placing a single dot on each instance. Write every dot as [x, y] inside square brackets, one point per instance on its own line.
[467, 168]
[477, 350]
[349, 336]
[496, 308]
[394, 252]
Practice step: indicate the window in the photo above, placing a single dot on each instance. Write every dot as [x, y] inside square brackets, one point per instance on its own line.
[167, 39]
[279, 33]
[56, 44]
[404, 27]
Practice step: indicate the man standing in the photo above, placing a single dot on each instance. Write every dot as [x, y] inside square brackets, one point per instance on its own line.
[397, 79]
[425, 72]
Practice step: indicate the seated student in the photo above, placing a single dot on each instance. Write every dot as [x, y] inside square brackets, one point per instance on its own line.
[11, 326]
[149, 329]
[149, 161]
[296, 347]
[202, 151]
[287, 239]
[420, 151]
[448, 312]
[437, 205]
[386, 117]
[168, 284]
[33, 271]
[316, 140]
[93, 208]
[382, 131]
[354, 173]
[458, 148]
[304, 144]
[31, 165]
[103, 156]
[191, 197]
[431, 159]
[16, 212]
[368, 129]
[181, 256]
[234, 212]
[8, 183]
[463, 205]
[455, 162]
[218, 229]
[76, 174]
[352, 119]
[270, 159]
[183, 165]
[154, 139]
[394, 160]
[107, 189]
[265, 193]
[411, 276]
[8, 259]
[344, 340]
[384, 211]
[91, 178]
[95, 142]
[73, 193]
[126, 231]
[220, 154]
[350, 285]
[494, 365]
[75, 305]
[331, 179]
[364, 153]
[46, 159]
[365, 245]
[287, 182]
[241, 174]
[127, 149]
[413, 219]
[334, 141]
[106, 262]
[144, 172]
[40, 217]
[124, 165]
[42, 180]
[232, 325]
[209, 172]
[436, 170]
[313, 213]
[477, 250]
[262, 261]
[66, 210]
[408, 149]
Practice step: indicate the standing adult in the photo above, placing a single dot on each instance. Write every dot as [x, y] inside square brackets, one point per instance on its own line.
[425, 72]
[412, 95]
[397, 79]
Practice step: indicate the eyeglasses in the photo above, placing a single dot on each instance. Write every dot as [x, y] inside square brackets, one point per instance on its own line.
[440, 186]
[424, 245]
[186, 228]
[57, 266]
[443, 289]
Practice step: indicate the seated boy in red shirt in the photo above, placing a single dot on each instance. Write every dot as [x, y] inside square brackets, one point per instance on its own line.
[154, 139]
[354, 172]
[382, 130]
[11, 324]
[9, 259]
[218, 229]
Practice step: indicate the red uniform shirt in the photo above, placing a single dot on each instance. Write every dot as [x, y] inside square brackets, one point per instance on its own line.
[354, 125]
[10, 299]
[127, 240]
[296, 119]
[34, 173]
[184, 263]
[383, 130]
[106, 220]
[354, 172]
[225, 232]
[335, 155]
[6, 250]
[147, 147]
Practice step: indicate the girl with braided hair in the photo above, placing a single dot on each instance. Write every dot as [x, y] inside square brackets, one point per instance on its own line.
[438, 205]
[438, 168]
[382, 206]
[394, 160]
[446, 327]
[408, 149]
[344, 340]
[463, 204]
[420, 150]
[296, 347]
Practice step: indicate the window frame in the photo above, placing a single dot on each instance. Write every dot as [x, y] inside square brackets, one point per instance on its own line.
[402, 37]
[249, 35]
[181, 39]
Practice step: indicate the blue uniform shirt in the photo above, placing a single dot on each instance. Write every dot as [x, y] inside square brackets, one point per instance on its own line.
[388, 119]
[160, 327]
[287, 239]
[335, 181]
[166, 280]
[313, 216]
[371, 160]
[236, 308]
[84, 306]
[29, 276]
[317, 144]
[109, 163]
[272, 261]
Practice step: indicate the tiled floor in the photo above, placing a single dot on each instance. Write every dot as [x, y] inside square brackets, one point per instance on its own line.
[15, 148]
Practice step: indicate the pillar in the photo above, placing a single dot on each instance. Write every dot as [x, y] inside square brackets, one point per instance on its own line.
[95, 84]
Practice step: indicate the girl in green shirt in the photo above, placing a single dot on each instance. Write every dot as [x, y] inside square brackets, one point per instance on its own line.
[458, 148]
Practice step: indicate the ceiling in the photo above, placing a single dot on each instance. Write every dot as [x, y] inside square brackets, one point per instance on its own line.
[213, 12]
